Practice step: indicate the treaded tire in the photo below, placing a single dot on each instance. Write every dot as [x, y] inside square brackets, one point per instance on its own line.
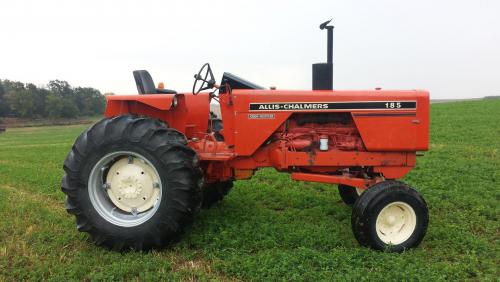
[371, 202]
[166, 149]
[215, 192]
[348, 194]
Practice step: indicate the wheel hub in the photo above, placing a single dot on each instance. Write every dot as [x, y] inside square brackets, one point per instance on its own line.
[395, 223]
[391, 220]
[131, 185]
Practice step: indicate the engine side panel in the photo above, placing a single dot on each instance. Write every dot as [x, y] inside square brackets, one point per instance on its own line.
[398, 130]
[385, 120]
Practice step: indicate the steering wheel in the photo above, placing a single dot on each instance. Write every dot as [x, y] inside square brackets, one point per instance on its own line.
[206, 84]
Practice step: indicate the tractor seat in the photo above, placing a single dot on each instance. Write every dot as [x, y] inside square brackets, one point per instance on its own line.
[145, 84]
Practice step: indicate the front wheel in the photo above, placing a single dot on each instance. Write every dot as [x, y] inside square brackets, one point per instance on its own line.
[349, 194]
[390, 215]
[132, 183]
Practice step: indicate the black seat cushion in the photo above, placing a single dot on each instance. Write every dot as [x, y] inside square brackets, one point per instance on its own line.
[146, 85]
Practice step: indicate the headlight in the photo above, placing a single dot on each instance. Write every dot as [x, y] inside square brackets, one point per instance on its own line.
[174, 101]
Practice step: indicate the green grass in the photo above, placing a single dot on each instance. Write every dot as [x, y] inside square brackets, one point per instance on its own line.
[268, 228]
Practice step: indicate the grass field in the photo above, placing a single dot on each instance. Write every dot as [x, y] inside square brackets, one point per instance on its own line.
[268, 228]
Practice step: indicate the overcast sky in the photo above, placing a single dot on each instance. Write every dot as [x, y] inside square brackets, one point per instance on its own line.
[451, 48]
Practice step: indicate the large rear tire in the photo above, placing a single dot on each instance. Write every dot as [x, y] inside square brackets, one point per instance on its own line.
[132, 183]
[391, 216]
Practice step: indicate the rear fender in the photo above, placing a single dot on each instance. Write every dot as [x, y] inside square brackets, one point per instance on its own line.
[161, 106]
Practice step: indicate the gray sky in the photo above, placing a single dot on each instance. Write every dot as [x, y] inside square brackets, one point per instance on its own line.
[451, 48]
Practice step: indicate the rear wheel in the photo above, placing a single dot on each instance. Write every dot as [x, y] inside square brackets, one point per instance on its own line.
[390, 215]
[132, 183]
[349, 194]
[215, 192]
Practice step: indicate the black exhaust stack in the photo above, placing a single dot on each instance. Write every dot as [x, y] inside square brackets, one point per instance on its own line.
[323, 72]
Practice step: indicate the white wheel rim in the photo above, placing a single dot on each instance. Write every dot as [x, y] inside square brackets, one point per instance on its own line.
[131, 185]
[125, 188]
[395, 223]
[359, 191]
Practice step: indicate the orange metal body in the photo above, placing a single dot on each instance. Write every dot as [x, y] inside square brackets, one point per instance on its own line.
[189, 117]
[365, 144]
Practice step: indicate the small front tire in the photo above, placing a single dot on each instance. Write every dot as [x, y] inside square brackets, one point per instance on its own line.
[349, 194]
[391, 216]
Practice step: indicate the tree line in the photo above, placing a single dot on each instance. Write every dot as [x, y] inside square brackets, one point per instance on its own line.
[55, 100]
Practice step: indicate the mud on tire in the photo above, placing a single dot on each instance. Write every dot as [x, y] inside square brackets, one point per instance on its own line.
[165, 150]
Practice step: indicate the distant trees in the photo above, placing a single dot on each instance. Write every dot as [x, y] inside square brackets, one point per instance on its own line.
[57, 100]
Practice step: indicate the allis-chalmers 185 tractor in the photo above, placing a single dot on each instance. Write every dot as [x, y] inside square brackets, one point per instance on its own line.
[135, 179]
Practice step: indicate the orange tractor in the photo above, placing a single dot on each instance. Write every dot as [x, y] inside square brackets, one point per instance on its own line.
[135, 179]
